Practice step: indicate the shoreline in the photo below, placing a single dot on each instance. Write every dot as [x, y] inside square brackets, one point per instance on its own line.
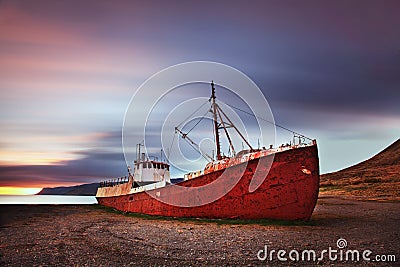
[90, 235]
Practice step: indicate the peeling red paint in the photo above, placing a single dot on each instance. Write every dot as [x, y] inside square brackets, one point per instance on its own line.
[288, 192]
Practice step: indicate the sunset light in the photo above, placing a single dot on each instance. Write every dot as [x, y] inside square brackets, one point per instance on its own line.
[201, 133]
[68, 70]
[10, 190]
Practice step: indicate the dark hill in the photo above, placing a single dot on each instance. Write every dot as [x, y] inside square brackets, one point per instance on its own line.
[377, 177]
[77, 190]
[80, 190]
[390, 156]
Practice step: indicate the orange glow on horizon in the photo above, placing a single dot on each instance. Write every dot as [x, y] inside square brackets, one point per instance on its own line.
[32, 158]
[12, 190]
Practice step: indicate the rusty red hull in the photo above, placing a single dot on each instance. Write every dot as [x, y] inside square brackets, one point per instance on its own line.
[288, 192]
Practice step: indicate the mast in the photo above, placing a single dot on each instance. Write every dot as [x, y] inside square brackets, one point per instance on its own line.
[214, 110]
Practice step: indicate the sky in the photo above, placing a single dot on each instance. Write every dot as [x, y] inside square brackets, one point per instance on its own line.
[68, 69]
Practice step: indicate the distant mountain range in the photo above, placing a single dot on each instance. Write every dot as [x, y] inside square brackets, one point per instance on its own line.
[375, 178]
[77, 190]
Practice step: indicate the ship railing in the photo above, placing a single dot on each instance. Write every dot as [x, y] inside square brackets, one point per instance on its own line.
[193, 174]
[115, 181]
[245, 156]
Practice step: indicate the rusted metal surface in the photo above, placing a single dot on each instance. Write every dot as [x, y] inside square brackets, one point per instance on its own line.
[289, 191]
[116, 190]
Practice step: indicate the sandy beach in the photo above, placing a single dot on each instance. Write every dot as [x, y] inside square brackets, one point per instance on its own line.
[88, 235]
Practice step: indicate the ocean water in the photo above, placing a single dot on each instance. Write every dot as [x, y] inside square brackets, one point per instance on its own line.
[47, 199]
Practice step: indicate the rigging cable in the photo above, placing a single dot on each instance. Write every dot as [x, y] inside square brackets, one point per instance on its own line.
[284, 128]
[197, 122]
[197, 150]
[192, 114]
[183, 122]
[170, 147]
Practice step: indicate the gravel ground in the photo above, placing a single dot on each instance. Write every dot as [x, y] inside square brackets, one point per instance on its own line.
[87, 235]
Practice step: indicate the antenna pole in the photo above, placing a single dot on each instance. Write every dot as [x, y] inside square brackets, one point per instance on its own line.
[214, 110]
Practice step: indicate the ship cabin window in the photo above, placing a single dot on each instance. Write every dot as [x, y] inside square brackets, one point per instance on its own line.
[162, 166]
[158, 166]
[167, 167]
[149, 165]
[144, 165]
